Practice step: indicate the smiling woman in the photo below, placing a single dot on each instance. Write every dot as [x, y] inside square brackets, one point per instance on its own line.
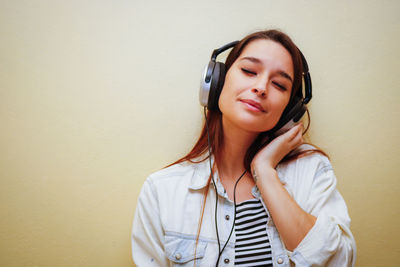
[265, 67]
[273, 200]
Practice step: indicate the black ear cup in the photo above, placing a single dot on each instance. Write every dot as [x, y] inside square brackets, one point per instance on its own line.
[294, 111]
[217, 82]
[213, 79]
[211, 85]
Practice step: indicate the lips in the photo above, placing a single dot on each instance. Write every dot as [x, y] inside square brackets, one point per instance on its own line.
[253, 104]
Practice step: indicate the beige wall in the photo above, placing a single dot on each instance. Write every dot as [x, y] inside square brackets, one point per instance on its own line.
[96, 95]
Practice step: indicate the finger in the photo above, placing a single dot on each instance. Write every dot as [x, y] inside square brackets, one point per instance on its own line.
[295, 131]
[297, 140]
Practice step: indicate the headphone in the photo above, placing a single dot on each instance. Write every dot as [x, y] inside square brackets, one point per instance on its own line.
[213, 81]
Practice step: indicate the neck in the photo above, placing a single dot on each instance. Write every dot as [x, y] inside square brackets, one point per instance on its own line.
[235, 145]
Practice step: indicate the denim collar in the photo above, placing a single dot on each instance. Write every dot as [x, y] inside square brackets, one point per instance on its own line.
[201, 173]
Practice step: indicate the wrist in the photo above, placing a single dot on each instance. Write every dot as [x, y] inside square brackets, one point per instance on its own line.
[264, 173]
[259, 164]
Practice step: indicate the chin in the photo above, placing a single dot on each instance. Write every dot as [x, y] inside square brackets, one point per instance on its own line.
[256, 127]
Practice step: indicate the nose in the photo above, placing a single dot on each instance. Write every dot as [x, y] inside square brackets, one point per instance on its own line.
[260, 91]
[260, 87]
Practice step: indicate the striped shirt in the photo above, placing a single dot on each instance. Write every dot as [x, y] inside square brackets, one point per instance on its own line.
[252, 247]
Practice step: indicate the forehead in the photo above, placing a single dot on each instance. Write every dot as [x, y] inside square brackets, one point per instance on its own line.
[270, 53]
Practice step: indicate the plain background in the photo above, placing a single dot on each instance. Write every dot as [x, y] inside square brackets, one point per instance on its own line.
[96, 95]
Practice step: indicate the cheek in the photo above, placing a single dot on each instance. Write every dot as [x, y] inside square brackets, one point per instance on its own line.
[279, 105]
[227, 95]
[223, 102]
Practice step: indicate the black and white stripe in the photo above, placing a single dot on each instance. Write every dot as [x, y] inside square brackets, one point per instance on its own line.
[252, 247]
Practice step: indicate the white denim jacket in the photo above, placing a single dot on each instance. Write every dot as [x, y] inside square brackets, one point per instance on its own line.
[169, 207]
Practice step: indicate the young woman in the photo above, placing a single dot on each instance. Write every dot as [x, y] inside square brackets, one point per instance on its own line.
[260, 199]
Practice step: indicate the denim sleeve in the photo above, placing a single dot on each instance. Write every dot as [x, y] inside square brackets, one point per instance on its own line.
[147, 233]
[329, 242]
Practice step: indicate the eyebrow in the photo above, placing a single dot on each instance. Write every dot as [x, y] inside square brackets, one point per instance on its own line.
[258, 61]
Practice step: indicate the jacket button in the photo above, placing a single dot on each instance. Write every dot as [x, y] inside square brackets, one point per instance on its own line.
[178, 256]
[226, 260]
[227, 217]
[279, 261]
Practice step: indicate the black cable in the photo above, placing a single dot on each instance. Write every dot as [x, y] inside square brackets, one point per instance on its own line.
[212, 177]
[234, 216]
[216, 196]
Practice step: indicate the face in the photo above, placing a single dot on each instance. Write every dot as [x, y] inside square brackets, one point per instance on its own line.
[257, 87]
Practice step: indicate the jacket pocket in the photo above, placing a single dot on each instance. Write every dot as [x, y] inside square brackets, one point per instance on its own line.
[181, 250]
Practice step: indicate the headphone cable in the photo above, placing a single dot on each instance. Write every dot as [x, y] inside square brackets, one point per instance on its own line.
[234, 216]
[216, 197]
[212, 177]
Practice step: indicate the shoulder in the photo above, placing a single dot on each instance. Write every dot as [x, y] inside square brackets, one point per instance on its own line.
[179, 176]
[309, 162]
[172, 173]
[305, 168]
[172, 187]
[167, 182]
[311, 175]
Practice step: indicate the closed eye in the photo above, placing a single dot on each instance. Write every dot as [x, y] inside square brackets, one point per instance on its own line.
[248, 71]
[280, 86]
